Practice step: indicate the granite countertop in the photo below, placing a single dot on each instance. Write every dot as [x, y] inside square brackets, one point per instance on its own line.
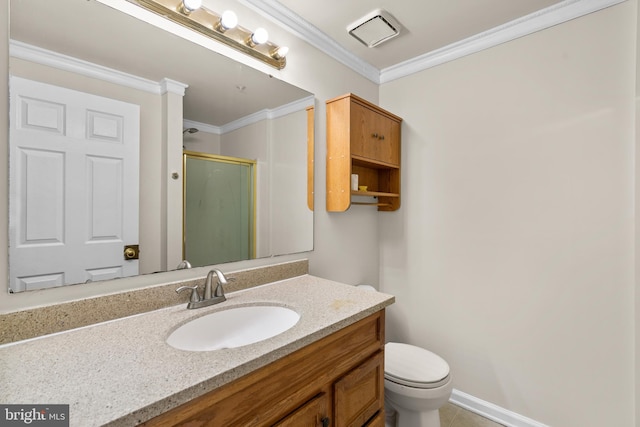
[122, 372]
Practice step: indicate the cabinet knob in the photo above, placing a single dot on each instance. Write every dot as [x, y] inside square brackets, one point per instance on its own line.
[375, 135]
[326, 422]
[381, 137]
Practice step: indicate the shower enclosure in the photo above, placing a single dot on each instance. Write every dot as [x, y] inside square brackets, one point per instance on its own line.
[219, 209]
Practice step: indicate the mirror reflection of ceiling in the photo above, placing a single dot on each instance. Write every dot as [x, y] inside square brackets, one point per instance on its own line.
[219, 92]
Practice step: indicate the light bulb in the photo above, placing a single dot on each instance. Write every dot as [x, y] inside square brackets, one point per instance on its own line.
[280, 52]
[229, 19]
[260, 36]
[192, 5]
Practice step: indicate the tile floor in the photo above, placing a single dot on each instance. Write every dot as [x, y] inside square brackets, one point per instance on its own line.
[455, 416]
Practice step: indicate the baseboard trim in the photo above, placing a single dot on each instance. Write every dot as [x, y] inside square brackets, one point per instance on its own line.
[491, 411]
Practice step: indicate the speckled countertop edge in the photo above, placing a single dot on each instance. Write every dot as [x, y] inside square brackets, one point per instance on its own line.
[122, 372]
[34, 322]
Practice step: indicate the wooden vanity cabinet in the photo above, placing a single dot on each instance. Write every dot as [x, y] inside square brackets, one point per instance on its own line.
[337, 381]
[362, 139]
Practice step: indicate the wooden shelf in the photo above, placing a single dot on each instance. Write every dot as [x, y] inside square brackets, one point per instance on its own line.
[371, 163]
[373, 194]
[362, 139]
[371, 204]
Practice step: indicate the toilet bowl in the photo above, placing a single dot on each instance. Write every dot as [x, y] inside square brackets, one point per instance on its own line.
[417, 383]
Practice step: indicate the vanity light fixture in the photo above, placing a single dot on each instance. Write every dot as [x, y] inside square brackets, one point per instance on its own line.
[222, 28]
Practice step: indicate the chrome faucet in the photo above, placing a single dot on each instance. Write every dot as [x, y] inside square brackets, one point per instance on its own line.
[208, 285]
[209, 297]
[184, 264]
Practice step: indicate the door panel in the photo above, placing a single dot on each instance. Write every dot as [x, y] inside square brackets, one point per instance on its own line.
[74, 160]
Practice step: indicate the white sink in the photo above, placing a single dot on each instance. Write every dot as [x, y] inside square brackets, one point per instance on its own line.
[233, 327]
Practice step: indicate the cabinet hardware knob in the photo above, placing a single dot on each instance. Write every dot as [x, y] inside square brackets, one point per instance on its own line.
[381, 137]
[375, 135]
[325, 422]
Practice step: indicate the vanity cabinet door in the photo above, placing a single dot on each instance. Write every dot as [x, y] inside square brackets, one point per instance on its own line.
[377, 421]
[359, 395]
[312, 414]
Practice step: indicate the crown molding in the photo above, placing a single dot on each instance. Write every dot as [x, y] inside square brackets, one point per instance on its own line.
[49, 58]
[172, 86]
[57, 60]
[297, 25]
[265, 114]
[203, 127]
[537, 21]
[540, 20]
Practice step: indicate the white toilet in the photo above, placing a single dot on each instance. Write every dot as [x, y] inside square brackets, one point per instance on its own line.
[417, 383]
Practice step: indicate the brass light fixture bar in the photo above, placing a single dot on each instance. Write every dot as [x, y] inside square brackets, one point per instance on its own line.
[210, 24]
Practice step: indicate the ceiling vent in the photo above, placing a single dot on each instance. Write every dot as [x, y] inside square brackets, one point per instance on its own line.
[374, 28]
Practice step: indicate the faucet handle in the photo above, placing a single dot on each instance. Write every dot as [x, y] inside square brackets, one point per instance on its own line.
[195, 296]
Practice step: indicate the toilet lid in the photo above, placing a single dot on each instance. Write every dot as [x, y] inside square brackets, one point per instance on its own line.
[414, 366]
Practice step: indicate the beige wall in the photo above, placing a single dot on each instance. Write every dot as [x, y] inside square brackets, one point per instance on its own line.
[291, 221]
[513, 253]
[204, 142]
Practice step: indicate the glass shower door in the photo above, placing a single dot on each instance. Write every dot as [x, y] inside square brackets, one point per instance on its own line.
[219, 209]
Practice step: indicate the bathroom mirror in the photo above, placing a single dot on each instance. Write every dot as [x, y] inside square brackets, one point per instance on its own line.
[222, 100]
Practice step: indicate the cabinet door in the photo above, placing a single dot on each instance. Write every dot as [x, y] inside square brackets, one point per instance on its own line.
[311, 414]
[377, 420]
[359, 395]
[365, 129]
[374, 135]
[392, 137]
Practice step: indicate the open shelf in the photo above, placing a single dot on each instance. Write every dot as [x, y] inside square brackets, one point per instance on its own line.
[373, 194]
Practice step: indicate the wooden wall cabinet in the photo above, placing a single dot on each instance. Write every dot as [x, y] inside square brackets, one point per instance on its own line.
[337, 381]
[362, 139]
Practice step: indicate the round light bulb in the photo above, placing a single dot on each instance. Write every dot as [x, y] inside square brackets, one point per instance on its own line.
[192, 5]
[260, 36]
[228, 20]
[281, 52]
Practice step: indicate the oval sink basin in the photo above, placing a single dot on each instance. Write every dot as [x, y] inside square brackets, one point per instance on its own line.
[234, 327]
